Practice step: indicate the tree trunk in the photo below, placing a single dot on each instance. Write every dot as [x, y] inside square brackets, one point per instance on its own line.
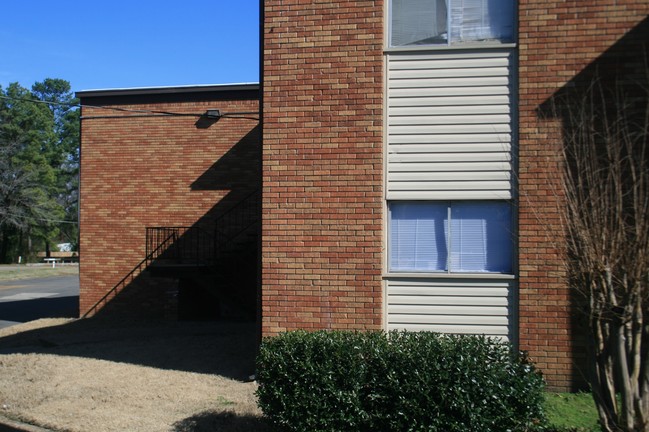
[4, 247]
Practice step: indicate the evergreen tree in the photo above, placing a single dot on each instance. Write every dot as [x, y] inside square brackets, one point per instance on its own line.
[39, 161]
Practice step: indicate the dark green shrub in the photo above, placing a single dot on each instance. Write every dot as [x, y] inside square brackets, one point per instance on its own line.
[401, 381]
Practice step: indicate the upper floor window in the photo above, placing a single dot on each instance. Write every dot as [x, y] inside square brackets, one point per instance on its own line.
[450, 22]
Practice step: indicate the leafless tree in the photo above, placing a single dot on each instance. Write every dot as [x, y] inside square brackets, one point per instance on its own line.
[606, 218]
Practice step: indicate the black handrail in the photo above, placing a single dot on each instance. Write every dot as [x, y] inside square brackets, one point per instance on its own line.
[139, 268]
[236, 221]
[189, 245]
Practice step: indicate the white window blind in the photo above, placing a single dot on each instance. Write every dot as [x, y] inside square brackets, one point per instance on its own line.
[416, 22]
[480, 237]
[418, 237]
[450, 237]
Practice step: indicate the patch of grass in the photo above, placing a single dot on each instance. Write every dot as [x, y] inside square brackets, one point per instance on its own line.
[223, 401]
[33, 272]
[571, 412]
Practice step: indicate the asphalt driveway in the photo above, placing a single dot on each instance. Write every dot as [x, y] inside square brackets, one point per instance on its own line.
[30, 299]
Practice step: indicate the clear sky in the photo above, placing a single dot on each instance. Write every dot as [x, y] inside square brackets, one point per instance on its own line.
[98, 44]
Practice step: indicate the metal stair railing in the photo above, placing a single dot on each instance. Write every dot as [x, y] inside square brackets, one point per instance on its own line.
[236, 221]
[126, 280]
[189, 245]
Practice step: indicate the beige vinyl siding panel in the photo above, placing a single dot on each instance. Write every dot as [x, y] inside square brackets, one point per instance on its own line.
[460, 306]
[449, 125]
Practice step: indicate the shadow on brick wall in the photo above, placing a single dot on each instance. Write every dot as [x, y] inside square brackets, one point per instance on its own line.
[620, 74]
[207, 271]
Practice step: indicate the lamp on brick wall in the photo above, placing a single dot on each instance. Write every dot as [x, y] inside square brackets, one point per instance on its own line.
[208, 118]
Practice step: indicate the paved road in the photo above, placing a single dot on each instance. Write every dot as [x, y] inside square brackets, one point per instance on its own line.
[29, 299]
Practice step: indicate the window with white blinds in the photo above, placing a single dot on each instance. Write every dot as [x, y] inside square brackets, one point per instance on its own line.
[462, 237]
[448, 22]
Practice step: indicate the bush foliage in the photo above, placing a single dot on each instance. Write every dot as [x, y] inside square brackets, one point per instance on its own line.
[399, 381]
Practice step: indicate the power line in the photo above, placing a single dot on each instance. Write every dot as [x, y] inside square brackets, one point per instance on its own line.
[18, 216]
[145, 112]
[69, 104]
[78, 105]
[236, 115]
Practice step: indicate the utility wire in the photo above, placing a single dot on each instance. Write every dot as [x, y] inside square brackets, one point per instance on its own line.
[152, 113]
[39, 219]
[78, 105]
[40, 101]
[238, 115]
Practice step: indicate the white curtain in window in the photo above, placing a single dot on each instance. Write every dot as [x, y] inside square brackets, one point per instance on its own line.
[417, 239]
[474, 20]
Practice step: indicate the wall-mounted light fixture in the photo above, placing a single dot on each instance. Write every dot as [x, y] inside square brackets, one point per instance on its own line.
[208, 118]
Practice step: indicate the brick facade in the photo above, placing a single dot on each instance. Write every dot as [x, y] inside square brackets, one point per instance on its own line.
[322, 165]
[322, 201]
[558, 40]
[142, 171]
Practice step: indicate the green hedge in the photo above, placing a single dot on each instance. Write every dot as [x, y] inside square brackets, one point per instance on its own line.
[401, 381]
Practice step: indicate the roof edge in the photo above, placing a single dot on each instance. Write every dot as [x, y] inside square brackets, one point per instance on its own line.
[141, 91]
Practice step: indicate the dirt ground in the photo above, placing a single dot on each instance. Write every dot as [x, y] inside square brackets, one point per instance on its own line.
[99, 375]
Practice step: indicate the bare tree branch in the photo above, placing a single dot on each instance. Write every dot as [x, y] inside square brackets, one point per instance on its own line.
[606, 198]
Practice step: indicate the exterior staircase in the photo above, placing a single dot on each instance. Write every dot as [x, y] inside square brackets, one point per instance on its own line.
[213, 275]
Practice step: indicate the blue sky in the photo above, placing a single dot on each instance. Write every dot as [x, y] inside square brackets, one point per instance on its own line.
[129, 43]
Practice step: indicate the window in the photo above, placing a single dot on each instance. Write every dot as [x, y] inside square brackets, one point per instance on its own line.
[463, 237]
[449, 22]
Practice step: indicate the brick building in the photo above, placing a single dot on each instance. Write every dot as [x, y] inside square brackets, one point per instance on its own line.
[408, 171]
[163, 176]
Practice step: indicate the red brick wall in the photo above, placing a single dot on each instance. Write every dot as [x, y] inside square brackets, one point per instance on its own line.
[138, 172]
[322, 170]
[558, 40]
